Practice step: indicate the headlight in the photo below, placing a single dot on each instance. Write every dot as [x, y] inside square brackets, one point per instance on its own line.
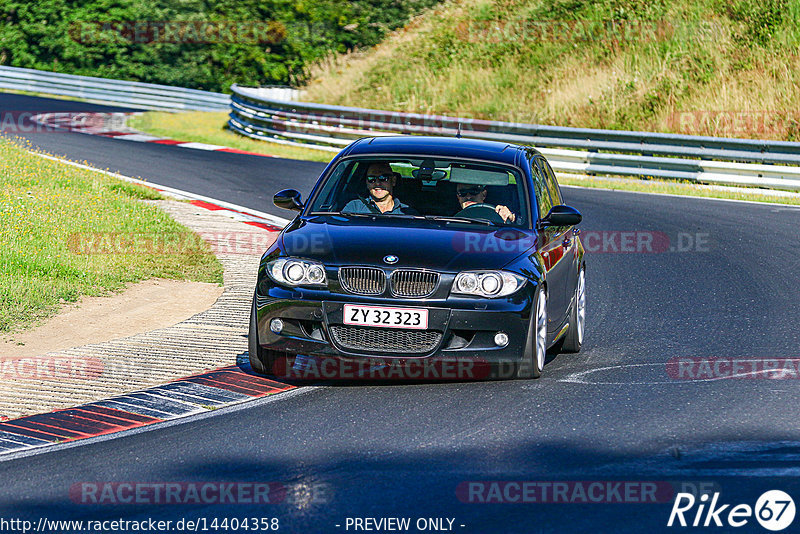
[292, 272]
[488, 284]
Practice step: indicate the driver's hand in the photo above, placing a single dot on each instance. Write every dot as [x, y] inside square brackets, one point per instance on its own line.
[505, 213]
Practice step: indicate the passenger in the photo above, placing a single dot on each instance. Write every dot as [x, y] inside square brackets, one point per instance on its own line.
[380, 180]
[471, 194]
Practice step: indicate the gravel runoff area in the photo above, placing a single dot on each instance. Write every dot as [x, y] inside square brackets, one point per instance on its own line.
[208, 340]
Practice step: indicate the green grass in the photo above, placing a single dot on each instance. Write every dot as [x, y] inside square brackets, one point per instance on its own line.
[209, 127]
[48, 210]
[706, 67]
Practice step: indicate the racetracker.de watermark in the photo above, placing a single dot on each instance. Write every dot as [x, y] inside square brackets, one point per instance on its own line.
[255, 32]
[177, 493]
[239, 242]
[644, 242]
[718, 368]
[26, 122]
[631, 30]
[734, 123]
[410, 369]
[578, 491]
[594, 241]
[51, 368]
[510, 240]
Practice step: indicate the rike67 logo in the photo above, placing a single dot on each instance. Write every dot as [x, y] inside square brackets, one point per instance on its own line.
[774, 510]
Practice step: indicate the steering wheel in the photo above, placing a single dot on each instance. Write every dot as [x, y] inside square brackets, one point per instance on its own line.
[481, 211]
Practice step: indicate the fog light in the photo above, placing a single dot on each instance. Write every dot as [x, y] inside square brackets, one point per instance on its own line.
[501, 339]
[276, 325]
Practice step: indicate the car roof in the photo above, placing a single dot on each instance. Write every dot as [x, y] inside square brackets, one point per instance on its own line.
[450, 147]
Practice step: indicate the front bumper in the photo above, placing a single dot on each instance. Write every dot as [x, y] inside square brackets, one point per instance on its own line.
[459, 342]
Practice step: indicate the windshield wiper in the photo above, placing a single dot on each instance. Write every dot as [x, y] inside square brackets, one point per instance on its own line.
[353, 214]
[398, 215]
[450, 218]
[345, 213]
[446, 218]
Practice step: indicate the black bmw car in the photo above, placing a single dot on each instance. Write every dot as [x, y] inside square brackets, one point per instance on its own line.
[422, 257]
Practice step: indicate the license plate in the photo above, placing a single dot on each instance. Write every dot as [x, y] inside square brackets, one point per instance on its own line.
[386, 317]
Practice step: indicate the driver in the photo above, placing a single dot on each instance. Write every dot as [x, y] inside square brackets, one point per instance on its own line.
[471, 194]
[380, 181]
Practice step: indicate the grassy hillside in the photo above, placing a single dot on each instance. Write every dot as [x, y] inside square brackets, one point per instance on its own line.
[713, 67]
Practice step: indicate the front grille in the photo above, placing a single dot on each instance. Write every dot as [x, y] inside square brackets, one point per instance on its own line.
[385, 339]
[407, 283]
[362, 280]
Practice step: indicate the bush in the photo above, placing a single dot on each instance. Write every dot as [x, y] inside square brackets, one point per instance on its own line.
[68, 36]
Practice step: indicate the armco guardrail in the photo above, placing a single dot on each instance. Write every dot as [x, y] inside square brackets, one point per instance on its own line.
[774, 164]
[133, 94]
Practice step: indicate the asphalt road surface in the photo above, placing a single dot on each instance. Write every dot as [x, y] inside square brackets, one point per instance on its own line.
[717, 282]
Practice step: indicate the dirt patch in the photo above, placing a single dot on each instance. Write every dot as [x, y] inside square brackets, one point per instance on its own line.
[142, 307]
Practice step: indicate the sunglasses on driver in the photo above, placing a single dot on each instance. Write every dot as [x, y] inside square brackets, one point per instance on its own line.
[471, 192]
[379, 178]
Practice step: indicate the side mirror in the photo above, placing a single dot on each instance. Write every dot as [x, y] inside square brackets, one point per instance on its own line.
[288, 199]
[561, 215]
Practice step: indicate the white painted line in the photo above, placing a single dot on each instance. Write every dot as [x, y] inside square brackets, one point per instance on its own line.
[25, 440]
[17, 443]
[13, 445]
[199, 146]
[138, 137]
[187, 399]
[581, 377]
[125, 405]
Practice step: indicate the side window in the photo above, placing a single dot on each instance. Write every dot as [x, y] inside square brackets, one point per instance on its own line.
[552, 184]
[540, 188]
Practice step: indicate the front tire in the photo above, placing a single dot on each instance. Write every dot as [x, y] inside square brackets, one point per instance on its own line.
[261, 360]
[536, 345]
[573, 340]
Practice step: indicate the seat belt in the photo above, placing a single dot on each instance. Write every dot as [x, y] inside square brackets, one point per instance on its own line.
[371, 207]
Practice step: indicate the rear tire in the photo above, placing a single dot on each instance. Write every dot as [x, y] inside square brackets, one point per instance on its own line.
[573, 340]
[261, 360]
[536, 345]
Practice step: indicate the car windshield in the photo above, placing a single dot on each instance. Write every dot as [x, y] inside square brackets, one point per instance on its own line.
[446, 189]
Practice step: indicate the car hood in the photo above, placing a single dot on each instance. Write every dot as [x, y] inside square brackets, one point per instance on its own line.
[341, 240]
